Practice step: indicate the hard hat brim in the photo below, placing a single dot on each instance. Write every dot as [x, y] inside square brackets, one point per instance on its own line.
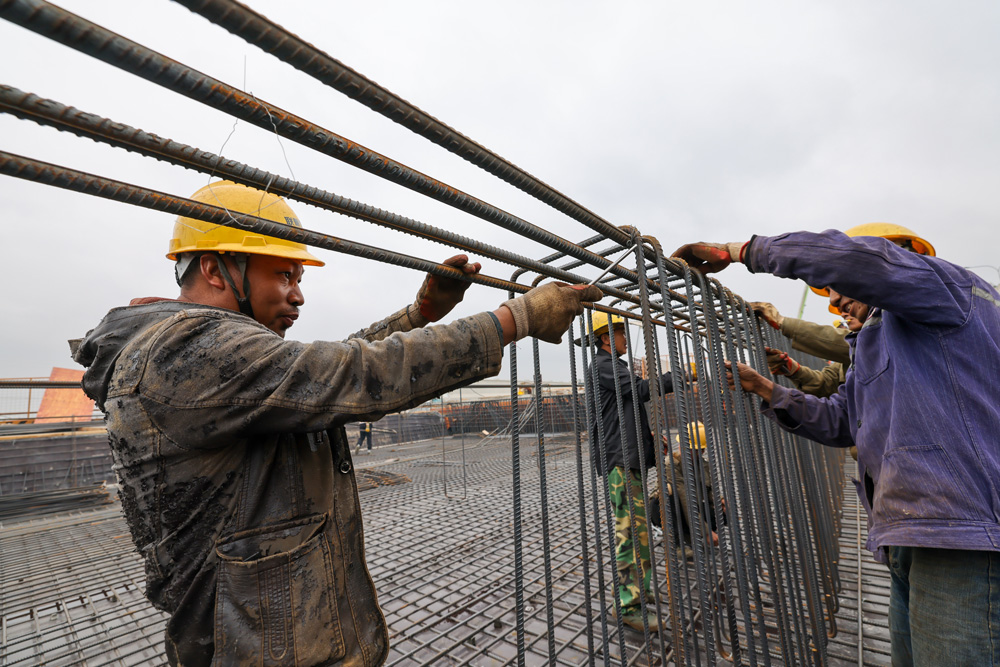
[268, 249]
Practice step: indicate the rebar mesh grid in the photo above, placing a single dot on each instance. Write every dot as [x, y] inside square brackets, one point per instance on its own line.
[443, 588]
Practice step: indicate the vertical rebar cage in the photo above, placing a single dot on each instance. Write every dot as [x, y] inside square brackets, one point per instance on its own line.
[519, 567]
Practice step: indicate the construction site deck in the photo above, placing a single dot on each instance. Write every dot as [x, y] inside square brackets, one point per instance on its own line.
[439, 541]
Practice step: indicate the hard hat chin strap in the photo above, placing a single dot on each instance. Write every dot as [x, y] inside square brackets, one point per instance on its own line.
[241, 263]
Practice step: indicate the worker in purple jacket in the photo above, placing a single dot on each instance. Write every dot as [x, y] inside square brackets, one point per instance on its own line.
[921, 404]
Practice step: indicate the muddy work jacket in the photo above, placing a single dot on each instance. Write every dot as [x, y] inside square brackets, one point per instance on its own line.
[236, 476]
[920, 399]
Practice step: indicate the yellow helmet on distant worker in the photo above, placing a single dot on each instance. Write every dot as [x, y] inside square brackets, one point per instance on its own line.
[888, 231]
[191, 235]
[696, 436]
[602, 321]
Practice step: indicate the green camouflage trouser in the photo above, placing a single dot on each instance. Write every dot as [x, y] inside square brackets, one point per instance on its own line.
[629, 572]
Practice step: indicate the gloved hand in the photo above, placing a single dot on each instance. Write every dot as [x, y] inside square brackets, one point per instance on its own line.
[780, 363]
[546, 311]
[710, 257]
[437, 296]
[768, 312]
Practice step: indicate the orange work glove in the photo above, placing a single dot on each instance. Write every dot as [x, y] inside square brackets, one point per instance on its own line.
[779, 363]
[710, 257]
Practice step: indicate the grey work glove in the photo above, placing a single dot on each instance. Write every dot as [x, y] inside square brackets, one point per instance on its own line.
[768, 312]
[710, 257]
[547, 311]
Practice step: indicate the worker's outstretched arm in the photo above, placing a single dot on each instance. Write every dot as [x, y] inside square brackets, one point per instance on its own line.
[824, 420]
[868, 269]
[272, 385]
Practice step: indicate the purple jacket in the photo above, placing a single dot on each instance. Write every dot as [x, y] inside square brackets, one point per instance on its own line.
[921, 399]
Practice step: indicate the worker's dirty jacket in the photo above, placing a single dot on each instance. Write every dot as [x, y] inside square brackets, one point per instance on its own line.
[236, 476]
[621, 433]
[920, 400]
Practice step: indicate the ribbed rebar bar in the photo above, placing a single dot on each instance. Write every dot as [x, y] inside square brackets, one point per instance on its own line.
[271, 38]
[107, 188]
[70, 119]
[91, 39]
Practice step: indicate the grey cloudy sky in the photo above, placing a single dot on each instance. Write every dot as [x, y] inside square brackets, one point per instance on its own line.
[692, 121]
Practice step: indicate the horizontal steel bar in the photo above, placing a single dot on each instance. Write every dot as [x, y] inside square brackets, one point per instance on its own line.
[70, 119]
[106, 188]
[38, 384]
[271, 38]
[91, 39]
[78, 181]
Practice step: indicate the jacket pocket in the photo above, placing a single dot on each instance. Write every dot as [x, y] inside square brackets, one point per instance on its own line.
[921, 482]
[275, 598]
[871, 355]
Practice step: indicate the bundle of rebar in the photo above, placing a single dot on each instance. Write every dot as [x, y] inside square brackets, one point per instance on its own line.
[753, 580]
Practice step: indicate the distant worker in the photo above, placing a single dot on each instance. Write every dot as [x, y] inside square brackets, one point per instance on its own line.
[920, 402]
[687, 462]
[229, 443]
[364, 434]
[628, 451]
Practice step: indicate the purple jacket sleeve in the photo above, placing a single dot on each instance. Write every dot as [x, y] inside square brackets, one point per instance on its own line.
[824, 420]
[871, 270]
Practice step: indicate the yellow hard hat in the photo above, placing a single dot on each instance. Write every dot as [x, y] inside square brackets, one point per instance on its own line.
[889, 231]
[602, 321]
[696, 436]
[192, 235]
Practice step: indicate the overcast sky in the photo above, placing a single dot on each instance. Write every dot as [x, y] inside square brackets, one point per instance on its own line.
[692, 121]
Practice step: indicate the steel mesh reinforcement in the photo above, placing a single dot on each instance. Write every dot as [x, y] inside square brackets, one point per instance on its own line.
[519, 567]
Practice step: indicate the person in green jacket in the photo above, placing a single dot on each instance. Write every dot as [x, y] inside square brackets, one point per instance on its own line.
[819, 340]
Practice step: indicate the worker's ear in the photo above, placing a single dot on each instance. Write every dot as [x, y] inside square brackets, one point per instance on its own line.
[605, 339]
[208, 266]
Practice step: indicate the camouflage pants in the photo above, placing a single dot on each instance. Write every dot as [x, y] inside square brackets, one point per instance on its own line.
[633, 578]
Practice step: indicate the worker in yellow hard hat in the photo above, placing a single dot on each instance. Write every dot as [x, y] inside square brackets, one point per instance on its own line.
[901, 236]
[622, 446]
[919, 402]
[199, 246]
[229, 441]
[696, 436]
[829, 342]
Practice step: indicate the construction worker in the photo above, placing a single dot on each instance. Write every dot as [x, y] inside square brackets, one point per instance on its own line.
[628, 452]
[819, 340]
[235, 471]
[689, 464]
[364, 434]
[823, 341]
[920, 403]
[828, 342]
